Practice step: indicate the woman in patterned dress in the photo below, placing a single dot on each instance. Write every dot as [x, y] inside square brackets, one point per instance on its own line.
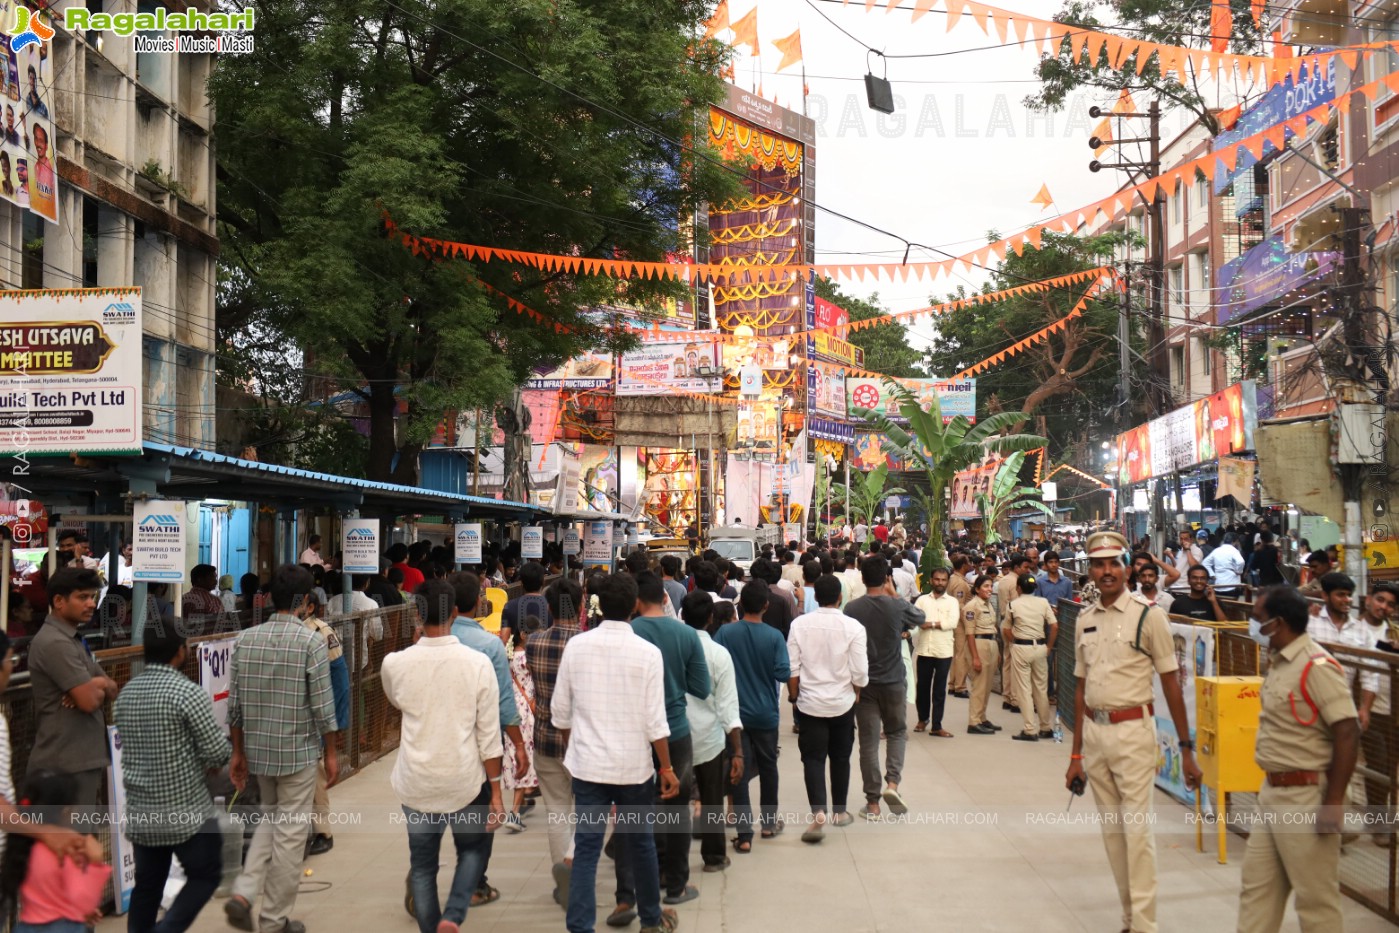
[523, 685]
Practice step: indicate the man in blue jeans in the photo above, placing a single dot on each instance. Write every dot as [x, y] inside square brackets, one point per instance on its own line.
[609, 703]
[761, 664]
[448, 770]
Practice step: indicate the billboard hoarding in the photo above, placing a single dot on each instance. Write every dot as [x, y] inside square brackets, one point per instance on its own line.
[70, 371]
[27, 175]
[662, 368]
[1201, 432]
[954, 398]
[589, 371]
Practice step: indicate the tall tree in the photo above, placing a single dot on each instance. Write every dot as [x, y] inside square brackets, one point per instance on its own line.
[532, 125]
[886, 346]
[1166, 21]
[1065, 383]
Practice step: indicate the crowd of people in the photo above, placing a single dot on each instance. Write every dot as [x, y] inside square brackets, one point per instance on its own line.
[646, 702]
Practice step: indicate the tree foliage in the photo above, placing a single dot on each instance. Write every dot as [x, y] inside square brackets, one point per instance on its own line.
[941, 451]
[1068, 382]
[1007, 496]
[541, 125]
[868, 492]
[886, 346]
[1166, 21]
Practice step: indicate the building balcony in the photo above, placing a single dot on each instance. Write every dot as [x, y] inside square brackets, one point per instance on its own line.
[1311, 23]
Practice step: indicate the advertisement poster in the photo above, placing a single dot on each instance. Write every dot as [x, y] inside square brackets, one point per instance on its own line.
[532, 543]
[467, 538]
[597, 543]
[360, 543]
[601, 479]
[214, 659]
[828, 397]
[1201, 432]
[572, 542]
[871, 451]
[969, 484]
[828, 317]
[954, 398]
[1194, 646]
[792, 531]
[27, 175]
[123, 856]
[158, 541]
[589, 371]
[661, 368]
[757, 426]
[70, 371]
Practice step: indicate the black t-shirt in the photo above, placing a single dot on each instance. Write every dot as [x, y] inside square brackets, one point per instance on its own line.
[1192, 607]
[1265, 561]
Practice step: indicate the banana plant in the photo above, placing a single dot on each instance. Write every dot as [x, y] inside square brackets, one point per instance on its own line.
[1005, 497]
[942, 450]
[868, 492]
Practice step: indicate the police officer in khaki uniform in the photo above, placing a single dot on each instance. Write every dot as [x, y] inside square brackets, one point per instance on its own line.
[1029, 633]
[1308, 736]
[979, 625]
[958, 587]
[1121, 642]
[1007, 591]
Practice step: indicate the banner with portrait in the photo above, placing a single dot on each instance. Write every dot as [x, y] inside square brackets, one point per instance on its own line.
[27, 174]
[1194, 647]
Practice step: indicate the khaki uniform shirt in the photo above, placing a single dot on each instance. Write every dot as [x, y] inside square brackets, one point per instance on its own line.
[1007, 588]
[1115, 674]
[977, 618]
[1284, 743]
[1030, 617]
[959, 588]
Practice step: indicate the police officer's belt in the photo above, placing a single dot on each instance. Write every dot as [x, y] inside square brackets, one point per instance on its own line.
[1106, 717]
[1294, 778]
[987, 637]
[1029, 641]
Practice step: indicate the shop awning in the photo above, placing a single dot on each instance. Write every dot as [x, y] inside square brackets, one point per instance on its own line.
[191, 474]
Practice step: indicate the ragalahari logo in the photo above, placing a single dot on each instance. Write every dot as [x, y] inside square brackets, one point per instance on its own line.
[28, 30]
[161, 523]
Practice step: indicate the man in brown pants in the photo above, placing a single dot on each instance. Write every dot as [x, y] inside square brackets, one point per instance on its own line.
[979, 626]
[958, 587]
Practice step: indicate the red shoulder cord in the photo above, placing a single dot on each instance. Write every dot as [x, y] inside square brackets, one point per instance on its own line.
[1306, 672]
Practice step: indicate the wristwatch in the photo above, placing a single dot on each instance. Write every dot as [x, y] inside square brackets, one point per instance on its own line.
[1185, 745]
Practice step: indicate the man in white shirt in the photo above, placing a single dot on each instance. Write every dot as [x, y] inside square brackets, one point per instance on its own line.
[1378, 741]
[1226, 567]
[1335, 625]
[311, 557]
[1147, 578]
[861, 534]
[609, 703]
[713, 721]
[904, 582]
[933, 648]
[359, 600]
[1188, 554]
[448, 768]
[851, 580]
[830, 665]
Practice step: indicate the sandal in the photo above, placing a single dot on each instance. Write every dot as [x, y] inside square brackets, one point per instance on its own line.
[743, 845]
[775, 830]
[921, 727]
[842, 819]
[239, 913]
[669, 922]
[622, 916]
[483, 896]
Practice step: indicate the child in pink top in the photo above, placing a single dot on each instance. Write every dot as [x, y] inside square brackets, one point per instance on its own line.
[55, 896]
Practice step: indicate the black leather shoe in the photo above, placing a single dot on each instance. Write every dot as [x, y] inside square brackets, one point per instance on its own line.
[1047, 734]
[1010, 706]
[321, 845]
[992, 726]
[1025, 737]
[980, 729]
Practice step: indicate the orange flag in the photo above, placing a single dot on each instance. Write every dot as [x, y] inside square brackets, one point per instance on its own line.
[746, 31]
[1280, 49]
[719, 21]
[1043, 198]
[1221, 25]
[1257, 7]
[1124, 104]
[791, 49]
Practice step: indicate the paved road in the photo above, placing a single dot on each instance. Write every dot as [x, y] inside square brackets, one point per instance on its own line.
[988, 846]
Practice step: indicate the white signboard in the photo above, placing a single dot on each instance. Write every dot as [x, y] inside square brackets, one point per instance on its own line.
[214, 658]
[572, 542]
[468, 543]
[123, 855]
[532, 543]
[359, 539]
[662, 368]
[158, 541]
[70, 371]
[1173, 441]
[791, 531]
[597, 543]
[750, 381]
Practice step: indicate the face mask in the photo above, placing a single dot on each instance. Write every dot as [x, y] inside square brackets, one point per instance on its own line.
[1255, 631]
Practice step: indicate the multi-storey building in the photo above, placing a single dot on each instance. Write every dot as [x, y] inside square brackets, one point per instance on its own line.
[133, 151]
